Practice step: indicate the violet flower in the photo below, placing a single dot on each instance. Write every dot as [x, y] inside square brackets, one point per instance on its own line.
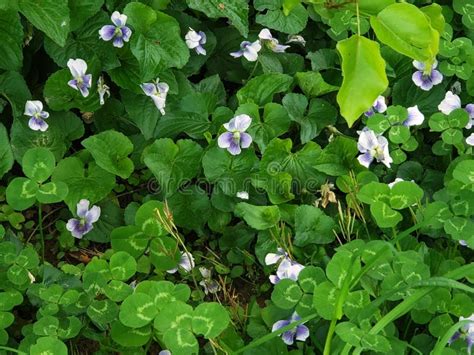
[450, 103]
[470, 110]
[379, 106]
[415, 117]
[424, 79]
[158, 92]
[466, 332]
[274, 258]
[235, 138]
[272, 43]
[209, 285]
[372, 147]
[84, 224]
[37, 122]
[186, 262]
[287, 269]
[300, 332]
[81, 81]
[249, 50]
[102, 89]
[196, 40]
[119, 32]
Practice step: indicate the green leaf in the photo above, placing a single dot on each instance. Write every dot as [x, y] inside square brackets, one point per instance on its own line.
[146, 218]
[130, 239]
[292, 23]
[157, 43]
[181, 341]
[50, 16]
[48, 346]
[258, 217]
[52, 192]
[102, 311]
[407, 30]
[11, 32]
[260, 90]
[313, 84]
[364, 78]
[21, 193]
[235, 10]
[464, 172]
[404, 194]
[191, 207]
[6, 154]
[173, 164]
[137, 310]
[164, 253]
[312, 226]
[110, 150]
[174, 315]
[38, 164]
[286, 294]
[210, 319]
[83, 10]
[14, 89]
[122, 266]
[130, 337]
[91, 182]
[384, 215]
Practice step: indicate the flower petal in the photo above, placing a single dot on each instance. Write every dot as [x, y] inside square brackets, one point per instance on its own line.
[33, 107]
[118, 42]
[126, 33]
[77, 67]
[37, 124]
[187, 261]
[302, 332]
[107, 32]
[470, 139]
[265, 34]
[367, 140]
[93, 214]
[415, 117]
[234, 148]
[280, 324]
[288, 337]
[118, 19]
[273, 258]
[225, 140]
[365, 159]
[242, 122]
[149, 89]
[237, 54]
[450, 103]
[436, 77]
[419, 65]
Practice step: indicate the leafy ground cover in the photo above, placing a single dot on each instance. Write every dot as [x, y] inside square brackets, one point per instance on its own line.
[236, 177]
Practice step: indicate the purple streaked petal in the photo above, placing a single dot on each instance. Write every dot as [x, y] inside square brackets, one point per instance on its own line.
[118, 42]
[126, 33]
[77, 67]
[118, 19]
[225, 140]
[265, 34]
[251, 54]
[419, 65]
[294, 270]
[84, 89]
[279, 48]
[245, 140]
[415, 117]
[82, 208]
[470, 110]
[237, 54]
[295, 317]
[288, 337]
[274, 279]
[369, 113]
[44, 115]
[73, 83]
[93, 214]
[77, 229]
[302, 332]
[241, 122]
[280, 324]
[149, 89]
[234, 148]
[33, 107]
[450, 103]
[107, 32]
[417, 78]
[163, 88]
[380, 105]
[187, 261]
[87, 80]
[367, 140]
[273, 258]
[172, 271]
[37, 124]
[200, 50]
[365, 159]
[436, 77]
[203, 37]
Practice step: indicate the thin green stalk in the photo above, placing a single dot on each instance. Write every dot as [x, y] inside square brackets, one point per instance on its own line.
[441, 344]
[12, 350]
[275, 334]
[40, 224]
[327, 343]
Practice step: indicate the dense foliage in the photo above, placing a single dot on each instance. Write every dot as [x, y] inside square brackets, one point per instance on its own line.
[236, 176]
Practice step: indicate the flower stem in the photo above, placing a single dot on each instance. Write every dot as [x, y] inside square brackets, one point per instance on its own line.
[40, 227]
[327, 344]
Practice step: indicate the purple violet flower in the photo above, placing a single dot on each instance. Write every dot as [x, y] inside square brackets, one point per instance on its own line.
[249, 50]
[83, 225]
[466, 332]
[119, 32]
[415, 117]
[379, 106]
[452, 102]
[470, 110]
[37, 122]
[274, 258]
[266, 37]
[186, 262]
[300, 332]
[287, 269]
[196, 40]
[235, 138]
[424, 79]
[81, 81]
[158, 92]
[372, 147]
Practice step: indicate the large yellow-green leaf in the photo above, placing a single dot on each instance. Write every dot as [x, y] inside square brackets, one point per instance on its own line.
[406, 29]
[364, 77]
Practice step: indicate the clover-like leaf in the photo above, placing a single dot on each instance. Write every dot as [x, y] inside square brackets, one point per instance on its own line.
[137, 310]
[210, 319]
